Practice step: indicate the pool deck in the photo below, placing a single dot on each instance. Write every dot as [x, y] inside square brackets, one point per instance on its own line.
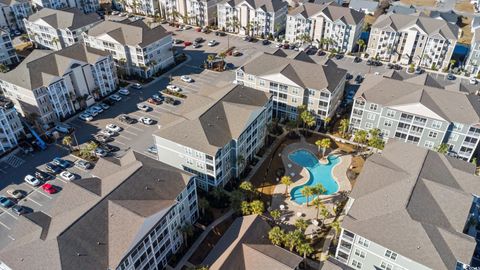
[299, 177]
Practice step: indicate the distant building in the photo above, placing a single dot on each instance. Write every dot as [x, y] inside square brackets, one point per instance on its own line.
[217, 143]
[10, 126]
[411, 208]
[8, 55]
[366, 6]
[201, 12]
[54, 85]
[87, 6]
[143, 54]
[127, 216]
[339, 27]
[13, 12]
[245, 245]
[57, 29]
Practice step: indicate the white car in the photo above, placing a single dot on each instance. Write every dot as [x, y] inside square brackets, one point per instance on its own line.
[107, 133]
[196, 45]
[137, 86]
[472, 80]
[186, 78]
[104, 106]
[279, 45]
[91, 111]
[68, 176]
[113, 127]
[115, 97]
[172, 87]
[30, 179]
[146, 120]
[85, 117]
[212, 43]
[98, 108]
[124, 92]
[143, 107]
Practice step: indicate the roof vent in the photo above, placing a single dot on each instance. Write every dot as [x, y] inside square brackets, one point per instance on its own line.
[147, 188]
[418, 247]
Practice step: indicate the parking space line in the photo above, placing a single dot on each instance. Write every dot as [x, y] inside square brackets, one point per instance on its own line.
[139, 129]
[126, 138]
[10, 214]
[5, 225]
[117, 141]
[9, 236]
[62, 180]
[43, 194]
[128, 131]
[28, 198]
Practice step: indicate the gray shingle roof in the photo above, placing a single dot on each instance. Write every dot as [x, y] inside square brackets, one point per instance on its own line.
[305, 74]
[245, 246]
[431, 26]
[453, 106]
[331, 10]
[70, 18]
[369, 5]
[403, 202]
[41, 67]
[130, 33]
[87, 231]
[265, 5]
[220, 123]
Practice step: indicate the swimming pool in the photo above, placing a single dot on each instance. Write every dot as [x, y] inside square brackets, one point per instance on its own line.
[319, 173]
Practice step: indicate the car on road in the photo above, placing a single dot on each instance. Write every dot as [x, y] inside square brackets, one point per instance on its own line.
[63, 128]
[359, 78]
[212, 43]
[136, 86]
[126, 119]
[83, 164]
[53, 168]
[31, 180]
[450, 77]
[175, 88]
[107, 133]
[472, 80]
[418, 70]
[43, 176]
[199, 40]
[104, 106]
[154, 101]
[48, 188]
[6, 202]
[247, 38]
[186, 78]
[19, 210]
[68, 176]
[220, 33]
[196, 45]
[124, 92]
[98, 108]
[265, 42]
[339, 56]
[357, 59]
[113, 127]
[146, 120]
[143, 107]
[15, 193]
[236, 53]
[91, 112]
[61, 162]
[101, 152]
[115, 97]
[152, 149]
[187, 43]
[85, 117]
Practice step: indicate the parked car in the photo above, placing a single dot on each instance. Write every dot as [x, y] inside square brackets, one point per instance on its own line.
[450, 77]
[101, 152]
[472, 80]
[187, 43]
[220, 33]
[6, 202]
[83, 164]
[390, 66]
[109, 102]
[143, 107]
[98, 108]
[100, 138]
[68, 176]
[339, 56]
[31, 180]
[104, 106]
[136, 86]
[115, 97]
[175, 88]
[107, 133]
[154, 101]
[15, 193]
[113, 127]
[172, 101]
[63, 128]
[61, 162]
[286, 46]
[236, 53]
[48, 188]
[158, 97]
[418, 70]
[359, 78]
[357, 59]
[43, 176]
[146, 120]
[265, 42]
[212, 43]
[19, 210]
[186, 78]
[247, 38]
[152, 149]
[196, 45]
[109, 148]
[85, 117]
[126, 119]
[53, 168]
[177, 41]
[199, 40]
[124, 92]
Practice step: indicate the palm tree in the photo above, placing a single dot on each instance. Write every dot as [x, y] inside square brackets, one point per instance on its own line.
[301, 224]
[248, 27]
[442, 148]
[344, 125]
[187, 231]
[375, 140]
[236, 198]
[324, 212]
[360, 136]
[318, 204]
[361, 44]
[257, 207]
[55, 41]
[326, 121]
[276, 214]
[245, 208]
[307, 192]
[276, 236]
[3, 68]
[304, 249]
[247, 188]
[203, 204]
[307, 118]
[67, 140]
[234, 24]
[323, 144]
[318, 190]
[287, 181]
[292, 239]
[336, 226]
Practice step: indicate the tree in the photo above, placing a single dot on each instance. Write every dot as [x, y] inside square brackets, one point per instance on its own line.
[203, 204]
[375, 140]
[304, 249]
[318, 189]
[245, 208]
[318, 204]
[301, 224]
[55, 41]
[187, 231]
[324, 144]
[87, 150]
[336, 226]
[452, 63]
[233, 24]
[324, 212]
[257, 207]
[292, 239]
[3, 68]
[287, 181]
[307, 191]
[360, 136]
[307, 118]
[276, 236]
[442, 148]
[326, 121]
[236, 198]
[67, 141]
[249, 27]
[276, 214]
[344, 125]
[361, 44]
[247, 188]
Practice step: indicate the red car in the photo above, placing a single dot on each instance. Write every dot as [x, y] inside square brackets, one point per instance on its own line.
[49, 188]
[187, 43]
[153, 101]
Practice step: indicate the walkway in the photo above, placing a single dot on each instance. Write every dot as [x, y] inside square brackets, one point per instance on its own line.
[200, 239]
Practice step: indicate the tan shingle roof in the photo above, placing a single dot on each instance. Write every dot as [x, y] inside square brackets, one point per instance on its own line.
[70, 18]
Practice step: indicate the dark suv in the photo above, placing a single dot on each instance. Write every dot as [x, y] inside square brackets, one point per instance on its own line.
[126, 119]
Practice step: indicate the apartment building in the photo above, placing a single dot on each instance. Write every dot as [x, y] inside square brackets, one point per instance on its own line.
[255, 17]
[246, 243]
[400, 213]
[136, 48]
[87, 6]
[201, 12]
[57, 29]
[327, 25]
[13, 12]
[173, 10]
[293, 82]
[128, 215]
[8, 55]
[417, 39]
[53, 85]
[472, 64]
[217, 143]
[417, 111]
[144, 7]
[10, 126]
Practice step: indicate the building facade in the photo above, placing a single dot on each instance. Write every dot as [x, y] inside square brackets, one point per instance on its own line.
[13, 12]
[326, 25]
[143, 54]
[413, 39]
[144, 7]
[473, 61]
[87, 6]
[201, 12]
[10, 126]
[411, 189]
[419, 114]
[293, 83]
[8, 55]
[259, 17]
[57, 29]
[218, 144]
[54, 85]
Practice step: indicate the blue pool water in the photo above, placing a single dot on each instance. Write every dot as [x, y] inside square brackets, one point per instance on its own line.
[319, 173]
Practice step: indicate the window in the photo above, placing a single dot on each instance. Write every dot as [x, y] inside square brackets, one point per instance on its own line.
[388, 123]
[385, 133]
[386, 266]
[432, 134]
[356, 264]
[368, 125]
[364, 242]
[454, 137]
[457, 126]
[373, 107]
[371, 116]
[390, 113]
[360, 253]
[261, 82]
[390, 254]
[428, 144]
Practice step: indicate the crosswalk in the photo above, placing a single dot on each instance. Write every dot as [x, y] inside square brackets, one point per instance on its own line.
[14, 161]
